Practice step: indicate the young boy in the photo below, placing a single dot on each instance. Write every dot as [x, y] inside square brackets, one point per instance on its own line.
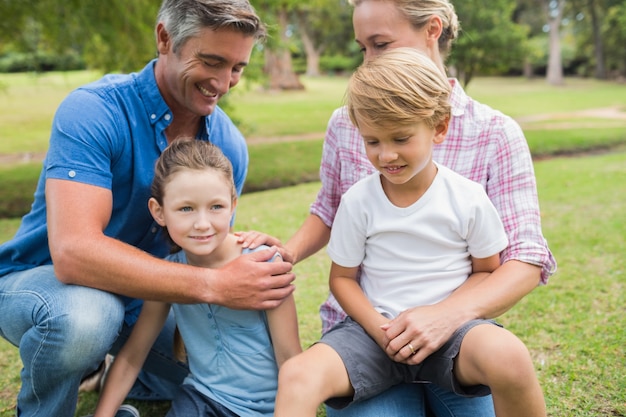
[414, 232]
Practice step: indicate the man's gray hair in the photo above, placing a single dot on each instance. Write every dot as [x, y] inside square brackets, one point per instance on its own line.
[184, 19]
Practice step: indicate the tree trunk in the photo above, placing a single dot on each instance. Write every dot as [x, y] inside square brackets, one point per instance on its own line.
[555, 62]
[312, 53]
[598, 46]
[278, 64]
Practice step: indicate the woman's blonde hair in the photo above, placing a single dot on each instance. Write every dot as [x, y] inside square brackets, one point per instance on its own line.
[401, 86]
[419, 12]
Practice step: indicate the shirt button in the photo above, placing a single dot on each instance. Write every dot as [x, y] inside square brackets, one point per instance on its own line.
[71, 174]
[154, 229]
[167, 117]
[153, 116]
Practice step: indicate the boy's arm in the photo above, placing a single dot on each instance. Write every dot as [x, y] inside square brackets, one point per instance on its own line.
[350, 295]
[131, 357]
[283, 326]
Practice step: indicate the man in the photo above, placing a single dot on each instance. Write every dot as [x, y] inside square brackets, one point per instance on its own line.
[72, 277]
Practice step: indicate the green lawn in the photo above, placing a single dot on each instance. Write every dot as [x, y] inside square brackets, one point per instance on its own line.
[574, 326]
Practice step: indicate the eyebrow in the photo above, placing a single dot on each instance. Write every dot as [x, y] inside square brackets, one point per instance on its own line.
[218, 58]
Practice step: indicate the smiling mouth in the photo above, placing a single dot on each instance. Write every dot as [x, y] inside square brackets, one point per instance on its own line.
[393, 169]
[206, 92]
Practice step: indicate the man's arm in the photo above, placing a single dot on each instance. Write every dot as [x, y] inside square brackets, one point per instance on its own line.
[82, 254]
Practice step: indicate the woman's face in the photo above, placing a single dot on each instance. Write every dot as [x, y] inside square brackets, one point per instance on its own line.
[379, 25]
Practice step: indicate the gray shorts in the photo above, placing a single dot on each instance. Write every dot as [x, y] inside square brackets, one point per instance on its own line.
[371, 371]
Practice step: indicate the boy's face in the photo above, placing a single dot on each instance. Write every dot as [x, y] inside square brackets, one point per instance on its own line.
[206, 66]
[197, 210]
[400, 153]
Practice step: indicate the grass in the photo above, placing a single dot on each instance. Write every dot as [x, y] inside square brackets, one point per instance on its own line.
[573, 326]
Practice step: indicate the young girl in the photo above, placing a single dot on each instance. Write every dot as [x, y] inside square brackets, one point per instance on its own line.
[233, 355]
[416, 230]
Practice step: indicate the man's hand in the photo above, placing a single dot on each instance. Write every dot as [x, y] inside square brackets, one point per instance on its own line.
[251, 283]
[422, 330]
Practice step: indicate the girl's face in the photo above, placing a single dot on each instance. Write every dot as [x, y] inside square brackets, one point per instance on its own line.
[197, 210]
[403, 155]
[379, 25]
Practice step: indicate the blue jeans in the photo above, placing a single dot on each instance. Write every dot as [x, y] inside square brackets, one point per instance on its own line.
[63, 333]
[412, 400]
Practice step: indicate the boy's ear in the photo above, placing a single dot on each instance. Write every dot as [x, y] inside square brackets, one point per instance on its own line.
[441, 130]
[156, 210]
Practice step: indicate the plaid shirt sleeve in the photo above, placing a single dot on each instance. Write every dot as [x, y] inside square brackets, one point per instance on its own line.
[488, 147]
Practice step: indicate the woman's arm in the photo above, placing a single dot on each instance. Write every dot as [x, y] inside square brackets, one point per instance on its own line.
[131, 357]
[481, 296]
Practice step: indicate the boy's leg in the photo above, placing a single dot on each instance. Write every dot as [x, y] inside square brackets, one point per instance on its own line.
[63, 333]
[307, 379]
[493, 356]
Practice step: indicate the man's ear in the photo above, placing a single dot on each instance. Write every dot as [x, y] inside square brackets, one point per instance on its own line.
[156, 210]
[163, 39]
[441, 130]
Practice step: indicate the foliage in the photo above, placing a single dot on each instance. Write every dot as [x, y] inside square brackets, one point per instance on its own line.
[40, 61]
[489, 43]
[614, 30]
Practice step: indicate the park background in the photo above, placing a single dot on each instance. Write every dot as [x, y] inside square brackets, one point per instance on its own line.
[557, 67]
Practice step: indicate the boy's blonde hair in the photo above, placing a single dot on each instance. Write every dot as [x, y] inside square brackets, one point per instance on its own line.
[399, 87]
[419, 12]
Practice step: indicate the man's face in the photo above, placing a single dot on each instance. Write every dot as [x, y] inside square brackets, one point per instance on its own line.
[194, 78]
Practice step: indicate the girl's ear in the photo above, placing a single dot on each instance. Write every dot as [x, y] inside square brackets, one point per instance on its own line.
[441, 130]
[156, 210]
[234, 206]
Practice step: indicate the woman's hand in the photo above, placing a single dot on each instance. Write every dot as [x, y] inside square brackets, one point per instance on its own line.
[252, 239]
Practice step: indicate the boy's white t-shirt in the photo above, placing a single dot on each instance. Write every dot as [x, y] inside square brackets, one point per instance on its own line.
[416, 255]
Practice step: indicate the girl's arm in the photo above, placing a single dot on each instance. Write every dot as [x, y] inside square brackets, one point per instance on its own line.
[350, 295]
[283, 326]
[131, 357]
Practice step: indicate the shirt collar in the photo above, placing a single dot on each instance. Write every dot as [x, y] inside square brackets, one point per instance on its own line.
[458, 98]
[155, 105]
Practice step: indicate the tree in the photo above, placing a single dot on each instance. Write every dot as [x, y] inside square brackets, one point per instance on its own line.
[554, 11]
[489, 40]
[324, 26]
[115, 35]
[278, 62]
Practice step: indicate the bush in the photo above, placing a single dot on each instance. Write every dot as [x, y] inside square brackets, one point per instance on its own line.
[338, 64]
[40, 62]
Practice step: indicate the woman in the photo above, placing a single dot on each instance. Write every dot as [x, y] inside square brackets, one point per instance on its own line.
[483, 145]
